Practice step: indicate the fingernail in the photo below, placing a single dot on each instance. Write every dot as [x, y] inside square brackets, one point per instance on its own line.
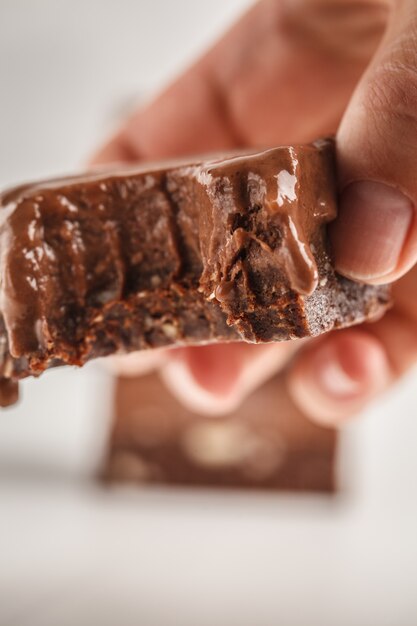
[216, 368]
[183, 386]
[332, 375]
[372, 226]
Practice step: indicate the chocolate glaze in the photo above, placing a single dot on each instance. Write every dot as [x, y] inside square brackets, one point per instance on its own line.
[209, 250]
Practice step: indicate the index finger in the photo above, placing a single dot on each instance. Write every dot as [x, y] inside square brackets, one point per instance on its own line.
[282, 74]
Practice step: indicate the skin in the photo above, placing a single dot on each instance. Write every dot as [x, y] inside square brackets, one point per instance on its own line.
[289, 72]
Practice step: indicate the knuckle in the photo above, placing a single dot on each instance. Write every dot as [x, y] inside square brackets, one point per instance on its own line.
[392, 94]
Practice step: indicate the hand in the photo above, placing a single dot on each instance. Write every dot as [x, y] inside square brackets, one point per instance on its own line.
[290, 72]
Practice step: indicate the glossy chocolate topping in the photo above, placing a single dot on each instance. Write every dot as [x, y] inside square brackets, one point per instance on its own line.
[209, 250]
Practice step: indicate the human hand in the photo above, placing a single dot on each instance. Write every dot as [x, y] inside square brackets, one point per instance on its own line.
[290, 72]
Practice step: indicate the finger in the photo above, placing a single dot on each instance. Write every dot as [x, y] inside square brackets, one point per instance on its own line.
[135, 363]
[375, 235]
[335, 377]
[338, 375]
[215, 379]
[397, 331]
[282, 74]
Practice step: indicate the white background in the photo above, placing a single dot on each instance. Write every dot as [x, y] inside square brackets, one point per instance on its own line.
[72, 554]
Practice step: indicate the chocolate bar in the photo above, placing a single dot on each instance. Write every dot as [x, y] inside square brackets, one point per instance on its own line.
[264, 444]
[188, 252]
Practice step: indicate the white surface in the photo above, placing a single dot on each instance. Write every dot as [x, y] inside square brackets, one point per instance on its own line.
[71, 554]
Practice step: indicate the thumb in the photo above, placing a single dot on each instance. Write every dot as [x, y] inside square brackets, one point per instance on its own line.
[375, 236]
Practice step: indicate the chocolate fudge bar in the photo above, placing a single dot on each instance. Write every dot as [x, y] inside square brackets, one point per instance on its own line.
[188, 252]
[265, 444]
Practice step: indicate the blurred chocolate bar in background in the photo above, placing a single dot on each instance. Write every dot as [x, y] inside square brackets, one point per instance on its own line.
[265, 444]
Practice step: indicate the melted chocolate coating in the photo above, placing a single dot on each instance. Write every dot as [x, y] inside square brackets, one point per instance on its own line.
[214, 250]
